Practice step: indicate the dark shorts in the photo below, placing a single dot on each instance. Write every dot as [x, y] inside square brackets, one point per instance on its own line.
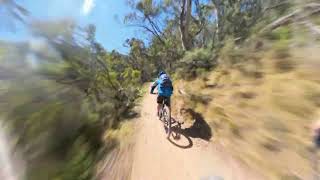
[166, 100]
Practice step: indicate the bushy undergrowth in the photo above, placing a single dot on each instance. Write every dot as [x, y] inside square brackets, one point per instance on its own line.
[196, 63]
[261, 105]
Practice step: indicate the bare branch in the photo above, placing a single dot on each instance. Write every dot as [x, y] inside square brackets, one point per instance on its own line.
[149, 30]
[154, 26]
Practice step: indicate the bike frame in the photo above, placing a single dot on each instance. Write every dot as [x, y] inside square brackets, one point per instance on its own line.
[166, 120]
[167, 123]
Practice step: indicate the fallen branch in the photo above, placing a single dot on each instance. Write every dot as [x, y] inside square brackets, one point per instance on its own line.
[313, 28]
[298, 15]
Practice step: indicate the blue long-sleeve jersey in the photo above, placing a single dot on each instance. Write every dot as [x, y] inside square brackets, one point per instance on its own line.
[162, 91]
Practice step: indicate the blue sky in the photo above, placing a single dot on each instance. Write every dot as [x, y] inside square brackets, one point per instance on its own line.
[107, 15]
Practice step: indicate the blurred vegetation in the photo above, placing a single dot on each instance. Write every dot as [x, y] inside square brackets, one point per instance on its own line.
[257, 98]
[59, 93]
[244, 65]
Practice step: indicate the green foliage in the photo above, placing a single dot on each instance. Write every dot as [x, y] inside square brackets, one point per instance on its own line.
[281, 33]
[235, 18]
[199, 57]
[195, 63]
[281, 49]
[60, 112]
[230, 55]
[75, 90]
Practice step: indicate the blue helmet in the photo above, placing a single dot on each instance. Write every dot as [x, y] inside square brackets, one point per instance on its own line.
[160, 73]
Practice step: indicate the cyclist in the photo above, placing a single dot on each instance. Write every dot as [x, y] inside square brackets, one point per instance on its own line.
[165, 89]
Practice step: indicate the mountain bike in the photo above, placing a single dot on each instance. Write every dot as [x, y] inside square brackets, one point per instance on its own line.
[165, 115]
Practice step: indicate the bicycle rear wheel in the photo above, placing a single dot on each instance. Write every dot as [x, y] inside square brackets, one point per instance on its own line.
[167, 120]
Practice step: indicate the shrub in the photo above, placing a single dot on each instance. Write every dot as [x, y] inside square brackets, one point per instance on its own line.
[281, 49]
[231, 54]
[195, 63]
[281, 33]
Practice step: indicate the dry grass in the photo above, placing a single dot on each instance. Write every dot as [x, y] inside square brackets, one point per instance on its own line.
[123, 134]
[126, 130]
[262, 112]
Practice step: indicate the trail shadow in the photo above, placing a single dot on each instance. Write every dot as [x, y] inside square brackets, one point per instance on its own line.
[131, 114]
[199, 129]
[181, 137]
[180, 140]
[211, 86]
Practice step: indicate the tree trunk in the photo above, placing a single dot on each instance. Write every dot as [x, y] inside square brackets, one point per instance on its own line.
[185, 18]
[219, 24]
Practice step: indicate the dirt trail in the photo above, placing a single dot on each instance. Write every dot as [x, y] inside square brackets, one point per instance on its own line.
[157, 158]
